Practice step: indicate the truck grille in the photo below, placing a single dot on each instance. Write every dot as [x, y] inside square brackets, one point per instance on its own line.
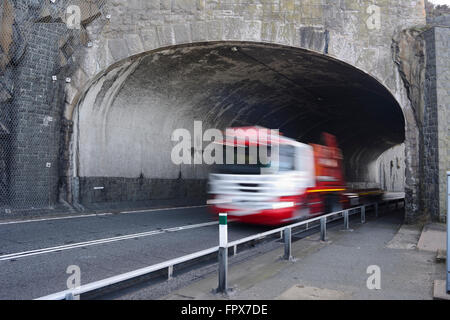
[249, 187]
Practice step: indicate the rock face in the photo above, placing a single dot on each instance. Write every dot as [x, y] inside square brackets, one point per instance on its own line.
[120, 40]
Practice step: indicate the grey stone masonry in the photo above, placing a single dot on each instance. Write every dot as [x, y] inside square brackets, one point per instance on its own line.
[431, 155]
[37, 113]
[442, 36]
[437, 118]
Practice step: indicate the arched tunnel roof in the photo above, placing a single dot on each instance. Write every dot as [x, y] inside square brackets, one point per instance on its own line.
[232, 84]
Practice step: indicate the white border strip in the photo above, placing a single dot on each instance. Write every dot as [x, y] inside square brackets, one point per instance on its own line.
[99, 214]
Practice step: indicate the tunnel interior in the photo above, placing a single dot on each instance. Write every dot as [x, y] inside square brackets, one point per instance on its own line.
[125, 120]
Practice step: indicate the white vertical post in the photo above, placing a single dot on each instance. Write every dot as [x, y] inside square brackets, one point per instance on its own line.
[170, 273]
[448, 231]
[287, 244]
[223, 253]
[323, 229]
[346, 218]
[69, 296]
[363, 214]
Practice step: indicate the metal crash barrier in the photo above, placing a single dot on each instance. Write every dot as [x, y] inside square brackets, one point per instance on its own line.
[222, 250]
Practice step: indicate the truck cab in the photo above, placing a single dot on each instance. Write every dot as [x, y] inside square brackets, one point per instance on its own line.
[270, 187]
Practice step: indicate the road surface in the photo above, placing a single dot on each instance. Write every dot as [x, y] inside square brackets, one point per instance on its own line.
[34, 255]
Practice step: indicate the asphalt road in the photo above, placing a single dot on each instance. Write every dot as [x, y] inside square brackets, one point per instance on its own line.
[34, 255]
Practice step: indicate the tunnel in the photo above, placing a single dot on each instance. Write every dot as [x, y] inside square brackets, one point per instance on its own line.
[121, 144]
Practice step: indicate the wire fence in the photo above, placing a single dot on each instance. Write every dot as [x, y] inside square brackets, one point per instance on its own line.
[39, 43]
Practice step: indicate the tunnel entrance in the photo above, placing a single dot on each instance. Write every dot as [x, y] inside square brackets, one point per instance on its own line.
[123, 124]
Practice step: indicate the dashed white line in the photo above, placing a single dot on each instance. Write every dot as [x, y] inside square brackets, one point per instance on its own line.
[163, 209]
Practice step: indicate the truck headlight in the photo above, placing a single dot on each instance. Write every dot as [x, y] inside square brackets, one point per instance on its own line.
[283, 205]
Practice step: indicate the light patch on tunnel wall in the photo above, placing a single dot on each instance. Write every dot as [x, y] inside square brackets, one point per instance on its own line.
[390, 168]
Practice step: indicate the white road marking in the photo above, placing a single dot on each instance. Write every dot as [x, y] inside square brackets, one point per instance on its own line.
[163, 209]
[56, 218]
[99, 214]
[23, 254]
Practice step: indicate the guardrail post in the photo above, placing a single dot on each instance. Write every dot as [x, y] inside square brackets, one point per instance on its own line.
[448, 231]
[287, 244]
[170, 273]
[363, 214]
[323, 229]
[69, 296]
[223, 253]
[346, 225]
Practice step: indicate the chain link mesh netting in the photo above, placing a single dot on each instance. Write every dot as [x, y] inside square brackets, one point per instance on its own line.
[39, 42]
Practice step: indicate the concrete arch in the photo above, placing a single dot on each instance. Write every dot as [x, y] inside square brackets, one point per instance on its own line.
[210, 62]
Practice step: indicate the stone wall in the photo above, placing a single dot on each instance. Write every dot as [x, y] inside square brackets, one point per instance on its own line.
[437, 118]
[442, 37]
[36, 118]
[430, 128]
[109, 190]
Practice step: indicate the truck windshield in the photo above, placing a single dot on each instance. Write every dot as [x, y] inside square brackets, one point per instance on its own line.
[249, 160]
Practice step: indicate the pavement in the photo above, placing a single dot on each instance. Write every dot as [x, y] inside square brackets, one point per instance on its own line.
[336, 269]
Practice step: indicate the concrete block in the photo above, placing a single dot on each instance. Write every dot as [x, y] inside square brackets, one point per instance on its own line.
[149, 39]
[232, 28]
[215, 30]
[118, 49]
[184, 6]
[199, 31]
[134, 44]
[441, 255]
[166, 35]
[439, 290]
[182, 33]
[300, 292]
[433, 238]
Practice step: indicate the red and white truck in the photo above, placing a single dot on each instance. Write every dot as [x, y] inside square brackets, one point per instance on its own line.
[281, 179]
